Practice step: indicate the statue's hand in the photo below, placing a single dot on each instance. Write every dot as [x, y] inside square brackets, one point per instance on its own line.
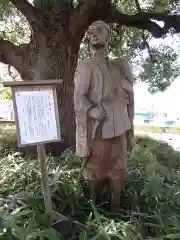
[96, 113]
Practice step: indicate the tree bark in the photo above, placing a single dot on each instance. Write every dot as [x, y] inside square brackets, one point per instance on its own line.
[11, 54]
[50, 56]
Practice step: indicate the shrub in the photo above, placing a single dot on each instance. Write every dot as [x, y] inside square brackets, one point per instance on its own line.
[7, 141]
[164, 153]
[150, 203]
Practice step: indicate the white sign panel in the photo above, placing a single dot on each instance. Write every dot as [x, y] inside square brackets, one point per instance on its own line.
[36, 116]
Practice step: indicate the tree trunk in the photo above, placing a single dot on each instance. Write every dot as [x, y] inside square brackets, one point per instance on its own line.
[51, 56]
[57, 30]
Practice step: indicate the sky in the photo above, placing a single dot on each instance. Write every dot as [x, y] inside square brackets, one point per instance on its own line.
[162, 101]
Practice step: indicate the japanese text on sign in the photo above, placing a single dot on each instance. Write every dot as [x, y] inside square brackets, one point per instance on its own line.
[36, 115]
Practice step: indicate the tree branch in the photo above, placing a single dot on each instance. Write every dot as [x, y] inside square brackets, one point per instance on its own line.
[80, 20]
[11, 54]
[145, 21]
[92, 10]
[31, 13]
[145, 42]
[138, 5]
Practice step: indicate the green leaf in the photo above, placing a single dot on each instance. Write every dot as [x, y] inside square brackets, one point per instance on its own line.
[173, 236]
[48, 233]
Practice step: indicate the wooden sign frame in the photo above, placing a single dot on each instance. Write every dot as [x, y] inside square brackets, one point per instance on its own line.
[55, 218]
[30, 86]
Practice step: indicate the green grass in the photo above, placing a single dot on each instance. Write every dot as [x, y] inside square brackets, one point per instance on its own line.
[150, 202]
[144, 128]
[158, 129]
[7, 140]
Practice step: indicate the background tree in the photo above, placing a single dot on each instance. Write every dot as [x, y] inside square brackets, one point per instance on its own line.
[41, 40]
[5, 94]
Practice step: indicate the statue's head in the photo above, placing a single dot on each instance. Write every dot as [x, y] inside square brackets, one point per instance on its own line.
[98, 34]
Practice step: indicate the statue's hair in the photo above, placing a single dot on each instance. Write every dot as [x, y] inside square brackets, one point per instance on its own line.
[102, 23]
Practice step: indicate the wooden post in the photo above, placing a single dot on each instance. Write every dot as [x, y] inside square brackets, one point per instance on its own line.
[38, 129]
[44, 179]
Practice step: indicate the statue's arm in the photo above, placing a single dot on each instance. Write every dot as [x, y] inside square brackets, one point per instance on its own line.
[130, 134]
[127, 84]
[130, 106]
[130, 90]
[82, 83]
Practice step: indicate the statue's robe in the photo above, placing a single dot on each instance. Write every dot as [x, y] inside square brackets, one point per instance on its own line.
[109, 85]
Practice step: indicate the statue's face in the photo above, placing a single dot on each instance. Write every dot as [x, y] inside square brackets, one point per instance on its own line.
[98, 36]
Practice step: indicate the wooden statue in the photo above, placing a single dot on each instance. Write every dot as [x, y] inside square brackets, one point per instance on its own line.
[104, 107]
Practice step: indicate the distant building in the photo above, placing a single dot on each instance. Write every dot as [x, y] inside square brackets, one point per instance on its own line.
[142, 117]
